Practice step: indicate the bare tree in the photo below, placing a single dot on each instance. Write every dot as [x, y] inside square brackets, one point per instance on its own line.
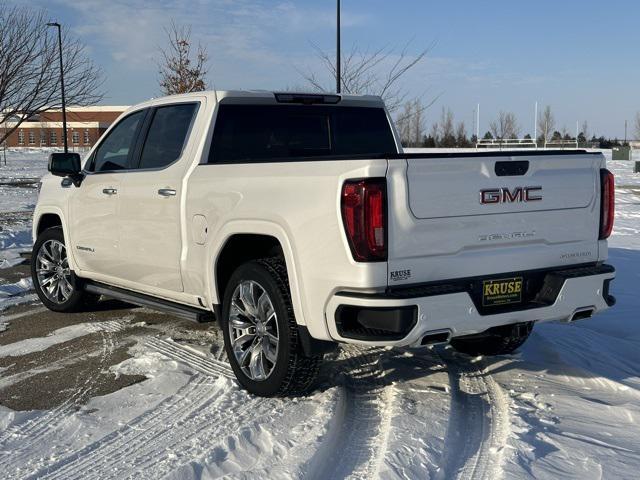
[410, 121]
[637, 126]
[447, 131]
[375, 72]
[546, 124]
[30, 72]
[418, 122]
[585, 130]
[403, 123]
[179, 72]
[505, 126]
[435, 128]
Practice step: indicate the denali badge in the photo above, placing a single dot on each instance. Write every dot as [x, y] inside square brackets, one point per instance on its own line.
[504, 195]
[507, 236]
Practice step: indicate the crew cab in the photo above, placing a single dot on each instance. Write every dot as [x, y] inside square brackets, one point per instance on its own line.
[298, 222]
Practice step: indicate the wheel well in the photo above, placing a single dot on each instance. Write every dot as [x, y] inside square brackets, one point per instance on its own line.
[240, 249]
[48, 220]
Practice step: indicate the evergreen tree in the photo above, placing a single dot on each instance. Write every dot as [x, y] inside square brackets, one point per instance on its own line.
[461, 136]
[581, 138]
[429, 142]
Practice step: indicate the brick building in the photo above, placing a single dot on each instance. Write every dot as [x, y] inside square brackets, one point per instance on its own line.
[85, 125]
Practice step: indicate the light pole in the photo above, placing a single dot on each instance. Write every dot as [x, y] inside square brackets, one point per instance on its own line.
[64, 109]
[338, 48]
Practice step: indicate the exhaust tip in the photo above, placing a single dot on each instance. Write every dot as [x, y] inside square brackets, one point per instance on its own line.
[433, 338]
[582, 314]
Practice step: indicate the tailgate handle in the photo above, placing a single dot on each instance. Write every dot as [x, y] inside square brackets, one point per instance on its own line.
[512, 168]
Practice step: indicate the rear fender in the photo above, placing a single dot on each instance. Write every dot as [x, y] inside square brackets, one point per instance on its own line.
[255, 227]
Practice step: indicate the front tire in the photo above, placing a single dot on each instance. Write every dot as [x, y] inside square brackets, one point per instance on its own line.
[53, 280]
[261, 334]
[495, 341]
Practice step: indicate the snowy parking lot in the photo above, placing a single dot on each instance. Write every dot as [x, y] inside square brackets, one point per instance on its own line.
[128, 392]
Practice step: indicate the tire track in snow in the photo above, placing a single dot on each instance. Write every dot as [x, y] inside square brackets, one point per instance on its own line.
[356, 439]
[165, 438]
[33, 432]
[29, 432]
[182, 428]
[195, 360]
[478, 424]
[200, 432]
[89, 459]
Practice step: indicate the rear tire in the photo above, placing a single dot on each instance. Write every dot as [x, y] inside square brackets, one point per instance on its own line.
[261, 334]
[53, 280]
[495, 341]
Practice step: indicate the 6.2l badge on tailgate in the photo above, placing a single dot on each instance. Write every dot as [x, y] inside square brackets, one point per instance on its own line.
[503, 291]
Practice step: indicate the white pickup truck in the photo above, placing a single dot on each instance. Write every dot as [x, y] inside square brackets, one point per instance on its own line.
[297, 222]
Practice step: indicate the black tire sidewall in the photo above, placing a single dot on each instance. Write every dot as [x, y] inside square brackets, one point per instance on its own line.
[281, 304]
[76, 296]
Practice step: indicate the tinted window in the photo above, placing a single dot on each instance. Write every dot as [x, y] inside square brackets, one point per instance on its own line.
[116, 150]
[263, 132]
[167, 135]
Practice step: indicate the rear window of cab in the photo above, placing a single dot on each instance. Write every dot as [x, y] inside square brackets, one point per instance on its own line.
[263, 133]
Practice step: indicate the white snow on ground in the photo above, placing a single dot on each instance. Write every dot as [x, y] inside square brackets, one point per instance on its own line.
[566, 406]
[23, 165]
[18, 197]
[12, 294]
[14, 240]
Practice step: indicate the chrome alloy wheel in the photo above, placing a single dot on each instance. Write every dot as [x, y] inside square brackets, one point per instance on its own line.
[54, 274]
[253, 330]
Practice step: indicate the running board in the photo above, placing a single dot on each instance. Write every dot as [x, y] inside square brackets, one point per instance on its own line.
[183, 311]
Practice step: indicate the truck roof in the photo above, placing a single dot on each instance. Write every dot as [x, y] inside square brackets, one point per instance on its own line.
[264, 97]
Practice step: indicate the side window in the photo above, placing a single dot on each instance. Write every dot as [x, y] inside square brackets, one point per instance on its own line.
[116, 150]
[167, 135]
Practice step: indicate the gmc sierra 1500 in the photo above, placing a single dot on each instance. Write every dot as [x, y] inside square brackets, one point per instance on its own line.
[298, 222]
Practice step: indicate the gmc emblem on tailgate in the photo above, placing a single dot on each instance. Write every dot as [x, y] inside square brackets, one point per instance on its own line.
[505, 195]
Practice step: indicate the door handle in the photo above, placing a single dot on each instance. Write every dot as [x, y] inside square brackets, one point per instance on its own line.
[109, 191]
[167, 192]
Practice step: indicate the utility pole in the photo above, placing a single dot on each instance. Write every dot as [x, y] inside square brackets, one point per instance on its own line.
[473, 115]
[64, 108]
[535, 124]
[338, 89]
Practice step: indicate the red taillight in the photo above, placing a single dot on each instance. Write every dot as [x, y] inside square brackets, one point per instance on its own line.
[364, 213]
[607, 203]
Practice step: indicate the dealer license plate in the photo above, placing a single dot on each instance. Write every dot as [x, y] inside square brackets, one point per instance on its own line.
[502, 291]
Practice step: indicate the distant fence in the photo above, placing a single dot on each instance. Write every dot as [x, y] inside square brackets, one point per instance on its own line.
[506, 143]
[515, 143]
[561, 144]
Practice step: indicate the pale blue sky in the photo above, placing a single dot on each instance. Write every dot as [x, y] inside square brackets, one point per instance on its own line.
[581, 57]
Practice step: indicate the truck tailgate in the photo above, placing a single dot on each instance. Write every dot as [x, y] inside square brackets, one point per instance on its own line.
[462, 216]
